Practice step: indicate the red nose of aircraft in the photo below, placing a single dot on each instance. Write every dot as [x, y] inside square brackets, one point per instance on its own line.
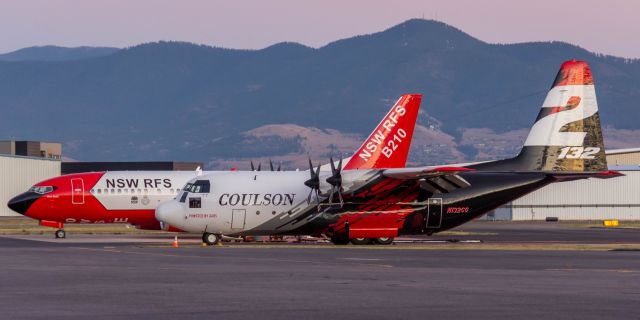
[22, 202]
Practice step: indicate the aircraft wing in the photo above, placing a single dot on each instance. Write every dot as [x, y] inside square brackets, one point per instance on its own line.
[423, 172]
[433, 179]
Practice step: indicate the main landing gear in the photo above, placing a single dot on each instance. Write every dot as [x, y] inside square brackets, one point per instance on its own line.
[383, 240]
[361, 241]
[211, 239]
[342, 240]
[60, 234]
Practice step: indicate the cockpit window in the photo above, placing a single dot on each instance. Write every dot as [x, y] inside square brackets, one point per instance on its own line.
[41, 189]
[200, 186]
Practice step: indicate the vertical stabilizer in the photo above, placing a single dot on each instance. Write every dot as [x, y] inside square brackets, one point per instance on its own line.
[389, 143]
[566, 135]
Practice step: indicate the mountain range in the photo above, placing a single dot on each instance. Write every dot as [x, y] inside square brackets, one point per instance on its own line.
[56, 53]
[182, 101]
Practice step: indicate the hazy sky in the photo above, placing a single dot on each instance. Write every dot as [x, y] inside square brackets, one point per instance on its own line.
[605, 26]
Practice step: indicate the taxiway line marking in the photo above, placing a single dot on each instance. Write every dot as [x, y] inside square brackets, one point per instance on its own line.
[242, 258]
[595, 270]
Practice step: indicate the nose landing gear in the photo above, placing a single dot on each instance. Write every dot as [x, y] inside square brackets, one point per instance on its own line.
[210, 238]
[60, 234]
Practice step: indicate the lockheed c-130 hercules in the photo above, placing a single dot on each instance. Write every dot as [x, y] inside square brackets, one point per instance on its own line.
[359, 203]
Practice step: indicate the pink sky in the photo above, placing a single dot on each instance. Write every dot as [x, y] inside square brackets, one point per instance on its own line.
[604, 26]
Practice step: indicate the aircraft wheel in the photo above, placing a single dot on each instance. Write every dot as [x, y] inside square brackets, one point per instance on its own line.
[210, 238]
[385, 240]
[60, 234]
[340, 240]
[360, 241]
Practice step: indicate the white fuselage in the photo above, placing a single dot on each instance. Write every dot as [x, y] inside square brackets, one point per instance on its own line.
[237, 201]
[241, 201]
[139, 190]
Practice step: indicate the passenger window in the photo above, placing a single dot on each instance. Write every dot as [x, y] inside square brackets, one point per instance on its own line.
[195, 203]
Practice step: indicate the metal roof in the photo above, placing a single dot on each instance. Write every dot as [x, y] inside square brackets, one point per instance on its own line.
[618, 151]
[627, 167]
[28, 158]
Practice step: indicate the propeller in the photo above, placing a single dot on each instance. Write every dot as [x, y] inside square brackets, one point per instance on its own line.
[313, 183]
[335, 180]
[271, 166]
[253, 168]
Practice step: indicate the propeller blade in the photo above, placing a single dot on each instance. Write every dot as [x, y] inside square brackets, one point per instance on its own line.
[259, 166]
[313, 183]
[271, 165]
[340, 165]
[279, 165]
[333, 167]
[252, 167]
[310, 167]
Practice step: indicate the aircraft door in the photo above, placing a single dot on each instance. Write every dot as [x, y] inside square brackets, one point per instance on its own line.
[434, 215]
[238, 218]
[77, 191]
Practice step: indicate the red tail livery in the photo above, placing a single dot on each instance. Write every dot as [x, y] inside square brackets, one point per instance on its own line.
[388, 145]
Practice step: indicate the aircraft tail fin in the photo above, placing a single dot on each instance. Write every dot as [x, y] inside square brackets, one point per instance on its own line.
[389, 143]
[566, 136]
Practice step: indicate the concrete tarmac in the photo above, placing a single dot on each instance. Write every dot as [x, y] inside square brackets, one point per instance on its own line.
[128, 279]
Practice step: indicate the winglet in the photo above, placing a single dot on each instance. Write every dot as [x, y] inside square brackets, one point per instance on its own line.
[388, 145]
[609, 174]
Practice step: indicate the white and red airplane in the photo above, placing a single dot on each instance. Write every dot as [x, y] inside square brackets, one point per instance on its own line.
[132, 196]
